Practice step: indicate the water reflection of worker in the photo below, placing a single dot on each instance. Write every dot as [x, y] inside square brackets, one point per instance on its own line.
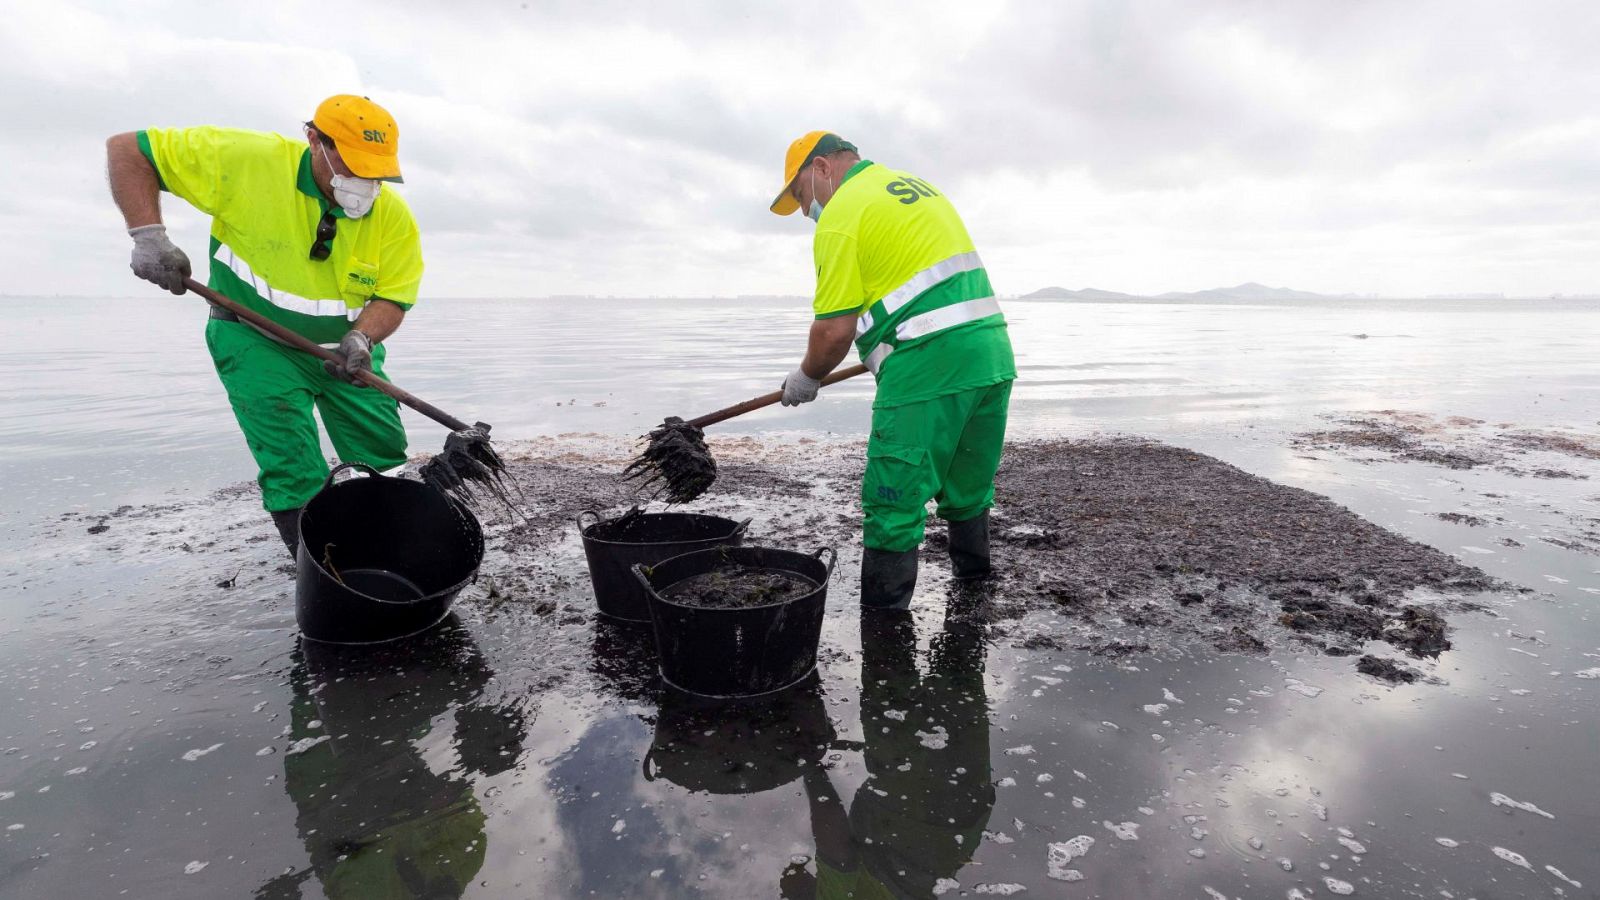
[922, 810]
[376, 820]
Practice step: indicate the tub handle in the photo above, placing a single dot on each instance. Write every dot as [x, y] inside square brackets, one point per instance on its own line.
[371, 472]
[741, 528]
[833, 557]
[638, 570]
[587, 512]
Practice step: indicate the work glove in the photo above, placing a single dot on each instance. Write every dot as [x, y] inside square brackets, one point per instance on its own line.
[355, 354]
[157, 259]
[799, 388]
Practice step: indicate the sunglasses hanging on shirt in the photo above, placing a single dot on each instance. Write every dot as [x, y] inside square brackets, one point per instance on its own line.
[322, 248]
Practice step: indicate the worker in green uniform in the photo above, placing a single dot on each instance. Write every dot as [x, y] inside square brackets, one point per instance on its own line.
[897, 274]
[306, 234]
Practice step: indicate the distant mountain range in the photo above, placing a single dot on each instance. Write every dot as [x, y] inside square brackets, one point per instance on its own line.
[1247, 291]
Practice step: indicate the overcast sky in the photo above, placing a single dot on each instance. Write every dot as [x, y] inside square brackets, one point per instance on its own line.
[601, 147]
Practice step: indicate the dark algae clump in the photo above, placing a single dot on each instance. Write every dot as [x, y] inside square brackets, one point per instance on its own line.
[675, 462]
[1387, 670]
[733, 586]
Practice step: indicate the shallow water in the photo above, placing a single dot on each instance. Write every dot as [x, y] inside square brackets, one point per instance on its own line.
[158, 723]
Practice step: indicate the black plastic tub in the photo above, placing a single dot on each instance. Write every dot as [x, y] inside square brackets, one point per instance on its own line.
[745, 652]
[614, 546]
[381, 558]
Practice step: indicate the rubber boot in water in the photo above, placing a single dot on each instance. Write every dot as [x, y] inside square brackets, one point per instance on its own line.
[888, 579]
[969, 548]
[288, 522]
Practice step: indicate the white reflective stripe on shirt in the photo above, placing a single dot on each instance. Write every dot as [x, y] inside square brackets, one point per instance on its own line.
[947, 316]
[927, 278]
[863, 324]
[282, 299]
[875, 359]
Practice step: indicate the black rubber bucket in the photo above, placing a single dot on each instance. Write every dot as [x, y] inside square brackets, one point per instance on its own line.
[381, 558]
[615, 546]
[724, 653]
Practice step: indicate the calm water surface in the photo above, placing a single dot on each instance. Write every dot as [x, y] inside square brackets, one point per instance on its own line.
[148, 714]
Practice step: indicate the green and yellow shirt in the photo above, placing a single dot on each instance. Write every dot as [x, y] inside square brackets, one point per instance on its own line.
[264, 207]
[891, 249]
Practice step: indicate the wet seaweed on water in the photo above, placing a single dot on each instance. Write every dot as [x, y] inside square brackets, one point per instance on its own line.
[675, 461]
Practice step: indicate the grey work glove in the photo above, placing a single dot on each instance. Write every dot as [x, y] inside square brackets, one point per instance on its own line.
[157, 259]
[355, 349]
[799, 388]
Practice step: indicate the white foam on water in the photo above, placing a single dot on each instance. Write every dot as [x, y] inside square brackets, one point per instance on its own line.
[1499, 799]
[1589, 673]
[1079, 803]
[619, 826]
[899, 715]
[1213, 893]
[1156, 709]
[1318, 809]
[77, 770]
[1059, 856]
[937, 740]
[1353, 845]
[1562, 875]
[1007, 781]
[1471, 549]
[1047, 680]
[1513, 857]
[1447, 842]
[194, 868]
[265, 751]
[1169, 696]
[1523, 652]
[1000, 890]
[192, 755]
[1335, 886]
[1127, 831]
[1024, 750]
[944, 886]
[304, 744]
[1520, 692]
[1286, 864]
[1300, 687]
[1197, 853]
[1255, 843]
[1044, 778]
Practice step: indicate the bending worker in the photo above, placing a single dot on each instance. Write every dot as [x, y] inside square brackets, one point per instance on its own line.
[304, 233]
[898, 275]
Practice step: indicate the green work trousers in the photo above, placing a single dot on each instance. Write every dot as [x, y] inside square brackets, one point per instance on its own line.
[273, 389]
[944, 449]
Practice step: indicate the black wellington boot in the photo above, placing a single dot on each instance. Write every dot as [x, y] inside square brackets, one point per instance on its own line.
[888, 579]
[288, 522]
[969, 548]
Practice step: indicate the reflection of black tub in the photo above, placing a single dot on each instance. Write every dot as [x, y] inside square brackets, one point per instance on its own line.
[381, 558]
[614, 546]
[737, 652]
[742, 748]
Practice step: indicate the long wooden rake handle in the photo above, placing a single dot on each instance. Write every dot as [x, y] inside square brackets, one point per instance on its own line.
[739, 409]
[300, 343]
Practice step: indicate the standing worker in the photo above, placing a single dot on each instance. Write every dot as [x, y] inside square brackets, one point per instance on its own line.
[897, 273]
[303, 233]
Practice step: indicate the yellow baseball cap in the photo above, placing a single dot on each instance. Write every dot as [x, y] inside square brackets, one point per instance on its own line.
[804, 149]
[365, 133]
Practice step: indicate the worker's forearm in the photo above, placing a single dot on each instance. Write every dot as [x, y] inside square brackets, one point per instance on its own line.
[380, 319]
[826, 349]
[134, 186]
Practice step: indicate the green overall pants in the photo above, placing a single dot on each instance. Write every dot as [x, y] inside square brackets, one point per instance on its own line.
[273, 389]
[945, 449]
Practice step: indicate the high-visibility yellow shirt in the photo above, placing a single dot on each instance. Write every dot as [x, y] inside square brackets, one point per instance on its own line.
[265, 207]
[891, 249]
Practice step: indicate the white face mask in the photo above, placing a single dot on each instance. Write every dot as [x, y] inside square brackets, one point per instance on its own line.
[354, 195]
[815, 212]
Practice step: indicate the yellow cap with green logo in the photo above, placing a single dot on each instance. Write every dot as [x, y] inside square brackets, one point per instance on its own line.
[804, 149]
[365, 133]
